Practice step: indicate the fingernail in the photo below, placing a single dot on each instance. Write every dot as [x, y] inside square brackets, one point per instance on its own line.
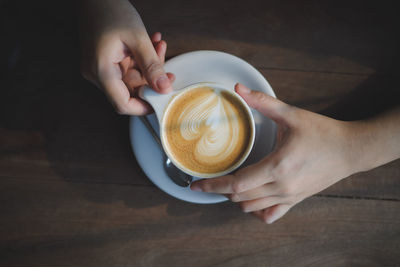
[195, 188]
[163, 83]
[271, 220]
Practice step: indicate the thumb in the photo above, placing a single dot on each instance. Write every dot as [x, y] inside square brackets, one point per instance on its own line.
[267, 105]
[151, 66]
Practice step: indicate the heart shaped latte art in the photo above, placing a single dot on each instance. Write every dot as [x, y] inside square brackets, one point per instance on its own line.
[207, 130]
[210, 122]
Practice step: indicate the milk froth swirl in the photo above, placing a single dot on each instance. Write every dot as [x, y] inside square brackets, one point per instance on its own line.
[207, 130]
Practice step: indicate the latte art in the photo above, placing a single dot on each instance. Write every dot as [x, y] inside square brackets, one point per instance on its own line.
[207, 130]
[211, 121]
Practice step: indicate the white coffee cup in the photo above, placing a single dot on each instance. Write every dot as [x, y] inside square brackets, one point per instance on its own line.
[162, 103]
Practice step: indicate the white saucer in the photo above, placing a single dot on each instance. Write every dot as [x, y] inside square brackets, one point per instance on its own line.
[189, 68]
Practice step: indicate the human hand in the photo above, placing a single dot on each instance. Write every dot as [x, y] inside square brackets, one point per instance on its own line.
[312, 152]
[118, 55]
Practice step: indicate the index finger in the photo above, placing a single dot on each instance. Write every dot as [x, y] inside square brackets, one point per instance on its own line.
[245, 179]
[120, 98]
[110, 78]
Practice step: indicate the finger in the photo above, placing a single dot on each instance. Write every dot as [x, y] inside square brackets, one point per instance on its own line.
[245, 179]
[131, 62]
[133, 78]
[161, 49]
[151, 66]
[156, 37]
[159, 45]
[265, 190]
[125, 64]
[267, 105]
[273, 213]
[258, 214]
[119, 94]
[259, 204]
[120, 98]
[171, 77]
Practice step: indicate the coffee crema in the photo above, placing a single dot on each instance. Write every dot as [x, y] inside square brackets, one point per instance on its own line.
[207, 130]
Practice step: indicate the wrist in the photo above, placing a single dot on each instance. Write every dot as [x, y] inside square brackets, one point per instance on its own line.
[362, 146]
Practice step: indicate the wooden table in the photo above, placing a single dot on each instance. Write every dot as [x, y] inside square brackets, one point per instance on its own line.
[72, 193]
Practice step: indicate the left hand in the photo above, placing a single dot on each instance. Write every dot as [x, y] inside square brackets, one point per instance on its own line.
[312, 152]
[118, 56]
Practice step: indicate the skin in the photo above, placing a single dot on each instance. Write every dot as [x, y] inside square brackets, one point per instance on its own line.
[312, 153]
[118, 56]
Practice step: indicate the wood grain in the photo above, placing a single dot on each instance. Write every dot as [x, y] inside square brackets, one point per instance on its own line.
[91, 143]
[307, 36]
[53, 222]
[72, 193]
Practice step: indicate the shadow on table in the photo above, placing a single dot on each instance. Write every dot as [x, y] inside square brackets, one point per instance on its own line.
[86, 142]
[42, 90]
[375, 95]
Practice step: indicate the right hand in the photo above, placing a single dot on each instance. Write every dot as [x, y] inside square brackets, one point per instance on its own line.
[312, 152]
[118, 55]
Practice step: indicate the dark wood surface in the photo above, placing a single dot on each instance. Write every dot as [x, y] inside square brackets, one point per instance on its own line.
[72, 193]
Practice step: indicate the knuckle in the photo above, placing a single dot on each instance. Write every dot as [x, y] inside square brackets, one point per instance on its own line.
[238, 187]
[292, 200]
[262, 98]
[287, 190]
[286, 109]
[296, 198]
[235, 198]
[121, 109]
[284, 165]
[153, 67]
[140, 38]
[291, 114]
[280, 170]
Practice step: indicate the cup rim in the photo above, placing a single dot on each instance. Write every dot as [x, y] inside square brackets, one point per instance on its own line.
[214, 86]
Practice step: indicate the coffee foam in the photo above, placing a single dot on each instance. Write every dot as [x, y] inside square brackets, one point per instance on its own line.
[207, 130]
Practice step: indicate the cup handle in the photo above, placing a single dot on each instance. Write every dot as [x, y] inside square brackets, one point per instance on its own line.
[158, 101]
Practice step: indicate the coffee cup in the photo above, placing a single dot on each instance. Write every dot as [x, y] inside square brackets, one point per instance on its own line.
[206, 130]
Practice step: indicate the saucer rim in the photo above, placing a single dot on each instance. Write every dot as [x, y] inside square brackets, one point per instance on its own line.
[266, 89]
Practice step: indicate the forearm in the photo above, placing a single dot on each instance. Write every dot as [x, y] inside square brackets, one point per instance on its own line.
[376, 141]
